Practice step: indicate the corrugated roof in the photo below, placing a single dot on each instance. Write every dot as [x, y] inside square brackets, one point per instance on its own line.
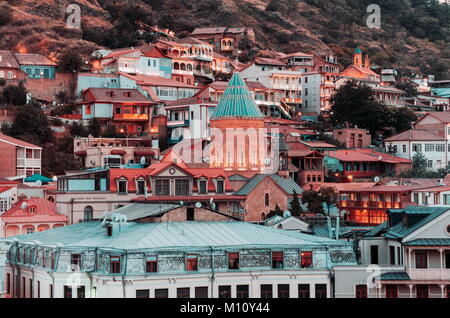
[395, 276]
[136, 211]
[179, 235]
[287, 184]
[237, 102]
[33, 59]
[429, 242]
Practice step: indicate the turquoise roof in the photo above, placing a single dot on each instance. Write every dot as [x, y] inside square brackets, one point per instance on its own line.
[237, 102]
[287, 184]
[38, 177]
[443, 92]
[358, 50]
[176, 235]
[429, 242]
[343, 230]
[395, 276]
[237, 177]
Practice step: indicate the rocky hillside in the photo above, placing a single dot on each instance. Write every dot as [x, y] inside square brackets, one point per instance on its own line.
[414, 34]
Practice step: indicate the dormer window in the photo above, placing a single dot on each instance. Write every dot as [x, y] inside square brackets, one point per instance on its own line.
[202, 188]
[140, 186]
[220, 186]
[32, 209]
[122, 186]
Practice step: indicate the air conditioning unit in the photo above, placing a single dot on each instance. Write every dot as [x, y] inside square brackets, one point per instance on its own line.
[267, 161]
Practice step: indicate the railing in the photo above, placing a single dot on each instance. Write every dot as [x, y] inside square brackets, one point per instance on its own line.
[183, 72]
[131, 116]
[29, 163]
[427, 274]
[178, 123]
[371, 204]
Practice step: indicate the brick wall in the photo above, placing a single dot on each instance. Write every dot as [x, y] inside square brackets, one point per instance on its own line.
[7, 160]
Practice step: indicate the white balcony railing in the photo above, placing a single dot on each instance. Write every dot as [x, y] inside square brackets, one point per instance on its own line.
[429, 274]
[29, 163]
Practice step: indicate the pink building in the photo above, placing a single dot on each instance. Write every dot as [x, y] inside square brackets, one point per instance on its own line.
[353, 137]
[29, 216]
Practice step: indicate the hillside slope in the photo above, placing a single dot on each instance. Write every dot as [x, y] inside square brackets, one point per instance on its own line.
[415, 34]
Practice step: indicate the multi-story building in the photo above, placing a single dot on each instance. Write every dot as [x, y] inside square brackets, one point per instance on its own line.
[94, 152]
[9, 68]
[429, 136]
[36, 66]
[353, 137]
[363, 164]
[127, 109]
[408, 256]
[155, 258]
[224, 39]
[19, 159]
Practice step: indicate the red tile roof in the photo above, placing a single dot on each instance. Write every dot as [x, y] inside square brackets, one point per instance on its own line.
[364, 155]
[269, 61]
[3, 189]
[121, 53]
[8, 60]
[17, 142]
[148, 80]
[45, 211]
[413, 134]
[33, 59]
[340, 187]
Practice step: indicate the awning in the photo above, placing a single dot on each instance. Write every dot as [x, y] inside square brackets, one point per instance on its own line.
[81, 153]
[144, 152]
[38, 177]
[119, 152]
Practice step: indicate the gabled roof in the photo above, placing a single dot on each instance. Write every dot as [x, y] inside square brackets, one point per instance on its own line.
[118, 95]
[45, 211]
[429, 242]
[288, 185]
[33, 59]
[8, 60]
[269, 61]
[414, 134]
[237, 102]
[17, 142]
[149, 80]
[364, 155]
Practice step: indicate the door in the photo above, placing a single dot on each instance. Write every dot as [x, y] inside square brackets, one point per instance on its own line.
[391, 291]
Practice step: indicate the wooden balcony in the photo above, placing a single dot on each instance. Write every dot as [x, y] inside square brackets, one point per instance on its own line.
[371, 204]
[134, 117]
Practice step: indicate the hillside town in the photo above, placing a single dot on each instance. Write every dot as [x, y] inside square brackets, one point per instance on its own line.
[179, 169]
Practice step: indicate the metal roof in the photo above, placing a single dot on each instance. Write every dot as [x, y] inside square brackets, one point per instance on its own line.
[176, 235]
[287, 184]
[429, 242]
[136, 211]
[237, 102]
[395, 276]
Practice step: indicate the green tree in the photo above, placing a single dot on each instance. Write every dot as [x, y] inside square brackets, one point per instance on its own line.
[110, 132]
[313, 200]
[355, 105]
[70, 61]
[329, 196]
[296, 208]
[402, 119]
[15, 94]
[78, 130]
[5, 15]
[94, 128]
[32, 121]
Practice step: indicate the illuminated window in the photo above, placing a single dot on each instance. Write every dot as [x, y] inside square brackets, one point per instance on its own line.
[306, 259]
[233, 260]
[151, 265]
[192, 263]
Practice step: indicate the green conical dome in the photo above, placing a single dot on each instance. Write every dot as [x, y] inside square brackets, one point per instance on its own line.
[237, 102]
[358, 50]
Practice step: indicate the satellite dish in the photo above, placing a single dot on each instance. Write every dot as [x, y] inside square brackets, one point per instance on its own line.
[213, 206]
[211, 200]
[198, 205]
[143, 160]
[376, 179]
[181, 202]
[39, 183]
[55, 178]
[24, 205]
[287, 214]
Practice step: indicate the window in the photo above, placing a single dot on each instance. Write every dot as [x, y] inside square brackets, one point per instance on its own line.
[392, 255]
[321, 291]
[267, 199]
[233, 260]
[114, 265]
[192, 263]
[162, 293]
[220, 188]
[242, 291]
[8, 284]
[30, 284]
[306, 259]
[417, 148]
[190, 214]
[447, 259]
[224, 291]
[50, 288]
[203, 186]
[182, 187]
[162, 187]
[122, 187]
[266, 291]
[277, 260]
[361, 291]
[141, 187]
[142, 293]
[183, 292]
[81, 292]
[75, 261]
[422, 291]
[38, 289]
[151, 264]
[440, 148]
[391, 291]
[303, 291]
[88, 214]
[67, 291]
[283, 291]
[374, 254]
[421, 259]
[201, 292]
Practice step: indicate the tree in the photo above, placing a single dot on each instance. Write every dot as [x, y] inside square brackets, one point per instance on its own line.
[296, 209]
[5, 15]
[78, 130]
[70, 61]
[329, 196]
[110, 132]
[313, 200]
[15, 94]
[276, 211]
[354, 105]
[94, 127]
[32, 121]
[402, 118]
[410, 89]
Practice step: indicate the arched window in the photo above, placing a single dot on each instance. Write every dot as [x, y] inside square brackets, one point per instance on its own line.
[189, 67]
[183, 67]
[88, 213]
[263, 216]
[267, 199]
[176, 66]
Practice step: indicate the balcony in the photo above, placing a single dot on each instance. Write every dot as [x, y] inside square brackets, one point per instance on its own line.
[371, 204]
[137, 117]
[35, 163]
[178, 123]
[429, 274]
[182, 72]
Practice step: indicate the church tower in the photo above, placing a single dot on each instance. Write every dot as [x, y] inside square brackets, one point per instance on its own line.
[238, 139]
[358, 58]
